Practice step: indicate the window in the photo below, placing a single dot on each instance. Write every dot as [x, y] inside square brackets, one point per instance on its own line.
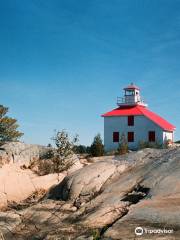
[152, 136]
[129, 93]
[130, 136]
[115, 136]
[130, 120]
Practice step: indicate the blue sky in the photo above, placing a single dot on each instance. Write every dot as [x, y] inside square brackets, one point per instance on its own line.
[63, 63]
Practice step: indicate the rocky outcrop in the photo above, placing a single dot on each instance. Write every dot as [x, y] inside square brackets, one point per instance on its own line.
[17, 184]
[85, 184]
[115, 197]
[88, 182]
[161, 207]
[152, 181]
[18, 152]
[45, 220]
[17, 181]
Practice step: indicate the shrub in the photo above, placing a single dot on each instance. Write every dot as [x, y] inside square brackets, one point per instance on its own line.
[49, 154]
[144, 144]
[80, 149]
[123, 145]
[88, 150]
[45, 166]
[57, 159]
[97, 147]
[62, 156]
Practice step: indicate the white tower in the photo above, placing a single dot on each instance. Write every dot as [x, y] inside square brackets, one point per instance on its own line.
[132, 97]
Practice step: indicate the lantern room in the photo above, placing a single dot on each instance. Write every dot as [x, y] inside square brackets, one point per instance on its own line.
[131, 96]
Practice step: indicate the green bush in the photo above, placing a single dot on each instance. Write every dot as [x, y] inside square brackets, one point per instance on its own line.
[62, 156]
[97, 147]
[80, 149]
[144, 144]
[123, 145]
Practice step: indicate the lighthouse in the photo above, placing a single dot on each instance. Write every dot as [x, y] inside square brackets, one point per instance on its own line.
[131, 97]
[135, 121]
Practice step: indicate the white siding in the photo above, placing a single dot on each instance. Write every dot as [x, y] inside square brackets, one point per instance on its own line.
[134, 98]
[167, 136]
[142, 126]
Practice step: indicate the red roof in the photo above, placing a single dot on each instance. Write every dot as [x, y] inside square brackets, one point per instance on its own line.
[140, 110]
[131, 86]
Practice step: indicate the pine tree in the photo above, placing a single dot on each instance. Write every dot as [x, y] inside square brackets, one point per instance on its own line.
[8, 127]
[97, 147]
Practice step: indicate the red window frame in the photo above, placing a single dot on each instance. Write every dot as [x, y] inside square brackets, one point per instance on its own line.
[130, 120]
[130, 136]
[115, 136]
[152, 136]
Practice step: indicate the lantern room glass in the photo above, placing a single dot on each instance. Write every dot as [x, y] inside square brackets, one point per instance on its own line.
[129, 92]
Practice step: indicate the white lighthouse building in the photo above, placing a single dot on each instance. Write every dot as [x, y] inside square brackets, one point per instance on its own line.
[135, 121]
